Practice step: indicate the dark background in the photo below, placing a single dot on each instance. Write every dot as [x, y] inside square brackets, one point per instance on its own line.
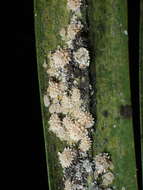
[26, 52]
[33, 169]
[133, 34]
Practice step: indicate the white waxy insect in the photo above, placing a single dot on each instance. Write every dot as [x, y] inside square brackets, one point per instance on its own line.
[85, 144]
[45, 65]
[66, 157]
[73, 4]
[81, 56]
[125, 32]
[107, 179]
[68, 185]
[46, 101]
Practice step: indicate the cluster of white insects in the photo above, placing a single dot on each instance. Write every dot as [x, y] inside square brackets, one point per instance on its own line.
[67, 98]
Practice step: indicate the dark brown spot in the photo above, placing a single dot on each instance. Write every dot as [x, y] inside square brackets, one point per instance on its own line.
[78, 182]
[126, 111]
[77, 72]
[105, 141]
[54, 79]
[61, 116]
[102, 128]
[105, 113]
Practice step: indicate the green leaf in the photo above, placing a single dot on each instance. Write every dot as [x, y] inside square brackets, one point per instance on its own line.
[50, 17]
[109, 73]
[111, 103]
